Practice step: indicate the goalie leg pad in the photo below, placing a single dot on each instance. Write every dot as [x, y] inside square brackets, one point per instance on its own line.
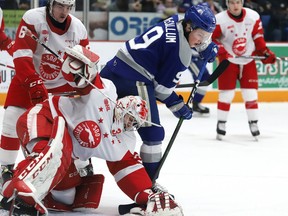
[88, 194]
[40, 173]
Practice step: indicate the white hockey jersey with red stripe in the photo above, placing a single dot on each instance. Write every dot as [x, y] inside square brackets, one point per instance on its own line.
[238, 35]
[31, 57]
[89, 119]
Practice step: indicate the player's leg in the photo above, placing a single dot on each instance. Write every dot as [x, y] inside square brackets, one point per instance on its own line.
[226, 86]
[17, 101]
[195, 67]
[9, 147]
[249, 89]
[45, 166]
[75, 193]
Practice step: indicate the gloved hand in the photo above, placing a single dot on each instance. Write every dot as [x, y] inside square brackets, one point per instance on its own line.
[36, 89]
[210, 52]
[270, 56]
[7, 44]
[180, 109]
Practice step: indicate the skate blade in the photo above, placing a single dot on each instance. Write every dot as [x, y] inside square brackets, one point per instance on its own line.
[256, 138]
[219, 137]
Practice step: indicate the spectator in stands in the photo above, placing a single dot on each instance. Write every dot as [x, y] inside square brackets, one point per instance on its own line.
[125, 6]
[42, 3]
[24, 5]
[184, 5]
[252, 5]
[99, 5]
[278, 21]
[11, 4]
[214, 6]
[148, 5]
[167, 8]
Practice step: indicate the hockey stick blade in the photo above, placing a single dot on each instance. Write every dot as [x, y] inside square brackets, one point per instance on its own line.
[217, 72]
[125, 208]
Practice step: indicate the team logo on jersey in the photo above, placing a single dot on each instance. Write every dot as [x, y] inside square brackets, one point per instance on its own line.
[239, 46]
[88, 134]
[50, 67]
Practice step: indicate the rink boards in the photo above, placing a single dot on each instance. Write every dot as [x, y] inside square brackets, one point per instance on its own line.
[273, 79]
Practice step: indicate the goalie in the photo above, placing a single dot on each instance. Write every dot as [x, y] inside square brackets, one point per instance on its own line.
[92, 124]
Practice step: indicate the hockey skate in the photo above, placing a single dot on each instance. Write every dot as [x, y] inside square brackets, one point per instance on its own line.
[6, 174]
[198, 108]
[159, 204]
[254, 129]
[221, 130]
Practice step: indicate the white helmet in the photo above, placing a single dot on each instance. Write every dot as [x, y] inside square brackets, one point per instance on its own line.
[80, 66]
[65, 2]
[130, 112]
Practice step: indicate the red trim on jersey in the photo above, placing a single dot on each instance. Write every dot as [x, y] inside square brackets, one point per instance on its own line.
[237, 19]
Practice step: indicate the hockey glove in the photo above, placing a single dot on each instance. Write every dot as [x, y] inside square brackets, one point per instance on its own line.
[36, 89]
[179, 109]
[210, 52]
[270, 56]
[7, 44]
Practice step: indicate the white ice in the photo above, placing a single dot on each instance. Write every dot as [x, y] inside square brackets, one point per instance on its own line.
[234, 177]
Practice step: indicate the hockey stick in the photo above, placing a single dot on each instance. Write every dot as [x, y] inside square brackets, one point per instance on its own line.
[282, 58]
[218, 71]
[211, 78]
[8, 66]
[30, 34]
[125, 208]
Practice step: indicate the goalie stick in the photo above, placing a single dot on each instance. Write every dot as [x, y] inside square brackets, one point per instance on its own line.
[7, 66]
[125, 208]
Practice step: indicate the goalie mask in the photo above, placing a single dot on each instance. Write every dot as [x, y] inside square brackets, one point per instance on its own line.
[130, 112]
[80, 66]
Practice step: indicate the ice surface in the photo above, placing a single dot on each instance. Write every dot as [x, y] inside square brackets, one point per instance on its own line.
[233, 177]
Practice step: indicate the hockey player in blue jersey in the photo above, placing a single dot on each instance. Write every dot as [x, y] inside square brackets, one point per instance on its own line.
[150, 65]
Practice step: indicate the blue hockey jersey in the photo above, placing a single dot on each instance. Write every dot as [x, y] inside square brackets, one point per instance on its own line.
[158, 56]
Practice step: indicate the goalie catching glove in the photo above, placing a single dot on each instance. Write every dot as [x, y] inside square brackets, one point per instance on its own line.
[80, 67]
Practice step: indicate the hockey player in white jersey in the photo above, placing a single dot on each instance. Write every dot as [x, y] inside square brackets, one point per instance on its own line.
[37, 70]
[92, 124]
[239, 33]
[150, 65]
